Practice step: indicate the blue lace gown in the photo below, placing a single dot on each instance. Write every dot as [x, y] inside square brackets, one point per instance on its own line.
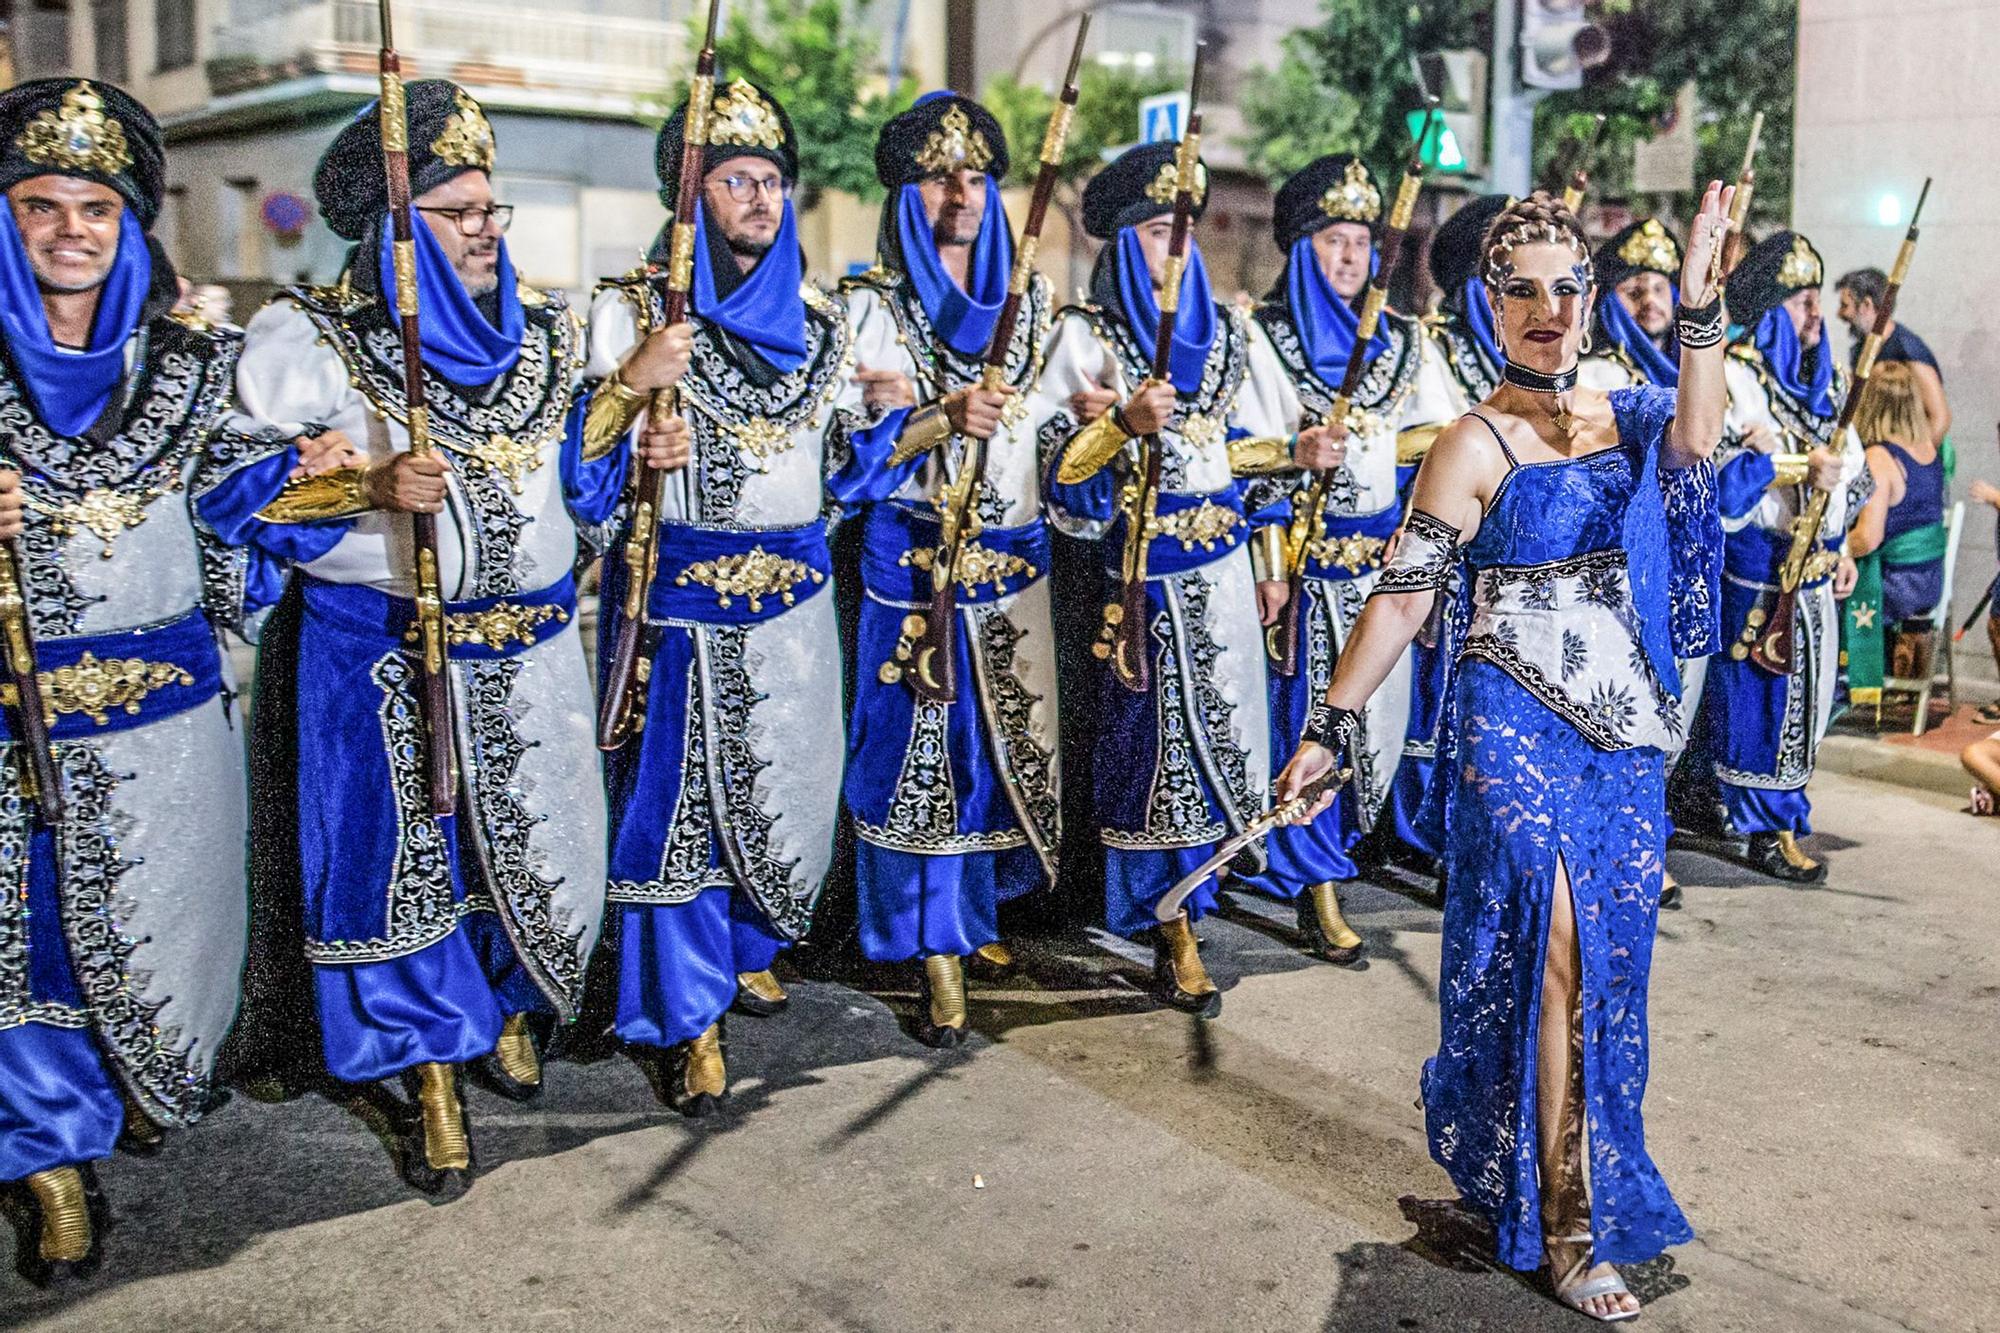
[1585, 575]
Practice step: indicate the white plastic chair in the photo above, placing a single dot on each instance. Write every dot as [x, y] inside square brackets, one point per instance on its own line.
[1941, 623]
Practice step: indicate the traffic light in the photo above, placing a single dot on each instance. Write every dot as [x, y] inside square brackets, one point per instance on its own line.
[1440, 150]
[1457, 142]
[1559, 42]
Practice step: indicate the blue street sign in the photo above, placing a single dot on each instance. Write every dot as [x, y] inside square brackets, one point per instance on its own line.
[1162, 117]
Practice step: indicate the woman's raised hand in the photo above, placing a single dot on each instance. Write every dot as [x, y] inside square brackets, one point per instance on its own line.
[1706, 238]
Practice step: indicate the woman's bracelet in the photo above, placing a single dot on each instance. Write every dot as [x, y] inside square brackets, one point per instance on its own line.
[1703, 328]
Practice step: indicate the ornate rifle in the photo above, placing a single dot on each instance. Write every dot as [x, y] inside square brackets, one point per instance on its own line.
[927, 650]
[1308, 525]
[440, 779]
[41, 780]
[1730, 253]
[621, 711]
[1579, 177]
[1285, 812]
[1768, 637]
[1123, 639]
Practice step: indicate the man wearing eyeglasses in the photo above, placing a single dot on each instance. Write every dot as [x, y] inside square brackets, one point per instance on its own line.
[723, 806]
[955, 805]
[436, 944]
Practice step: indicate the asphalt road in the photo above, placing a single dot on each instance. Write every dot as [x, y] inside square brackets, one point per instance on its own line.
[1821, 1098]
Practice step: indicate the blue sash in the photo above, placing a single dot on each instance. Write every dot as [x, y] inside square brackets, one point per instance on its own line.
[999, 561]
[1754, 556]
[134, 677]
[1197, 531]
[736, 576]
[1354, 545]
[482, 629]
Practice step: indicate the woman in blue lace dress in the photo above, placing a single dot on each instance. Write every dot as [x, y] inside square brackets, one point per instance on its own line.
[1584, 530]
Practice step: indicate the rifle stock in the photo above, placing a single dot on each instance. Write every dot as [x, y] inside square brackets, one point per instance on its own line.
[1124, 640]
[1770, 636]
[1308, 526]
[621, 710]
[434, 696]
[41, 780]
[926, 652]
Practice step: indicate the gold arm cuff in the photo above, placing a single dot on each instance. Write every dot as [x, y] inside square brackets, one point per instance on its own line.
[923, 430]
[1791, 469]
[1090, 449]
[1267, 553]
[335, 494]
[1257, 455]
[1414, 443]
[613, 409]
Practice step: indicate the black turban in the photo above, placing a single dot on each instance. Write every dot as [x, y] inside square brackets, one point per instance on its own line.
[86, 129]
[1335, 188]
[449, 136]
[1138, 185]
[1455, 257]
[942, 132]
[1775, 267]
[746, 122]
[1643, 247]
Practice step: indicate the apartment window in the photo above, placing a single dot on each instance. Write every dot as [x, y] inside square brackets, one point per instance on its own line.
[42, 38]
[173, 34]
[107, 25]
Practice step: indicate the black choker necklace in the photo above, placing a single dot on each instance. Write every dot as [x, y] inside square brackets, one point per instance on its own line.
[1534, 381]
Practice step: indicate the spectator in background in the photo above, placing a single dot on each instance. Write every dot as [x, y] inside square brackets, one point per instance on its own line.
[1986, 493]
[1861, 295]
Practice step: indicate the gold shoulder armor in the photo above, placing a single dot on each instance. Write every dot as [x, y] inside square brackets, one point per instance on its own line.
[1414, 443]
[1090, 449]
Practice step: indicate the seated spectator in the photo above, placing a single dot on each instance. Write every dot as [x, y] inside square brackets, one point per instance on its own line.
[1986, 493]
[1982, 760]
[1903, 522]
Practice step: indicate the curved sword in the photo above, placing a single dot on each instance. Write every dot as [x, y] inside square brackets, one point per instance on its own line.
[1285, 812]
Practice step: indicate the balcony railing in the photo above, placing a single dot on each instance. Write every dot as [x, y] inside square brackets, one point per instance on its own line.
[548, 48]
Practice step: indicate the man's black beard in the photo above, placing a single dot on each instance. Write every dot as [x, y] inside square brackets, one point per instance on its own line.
[749, 247]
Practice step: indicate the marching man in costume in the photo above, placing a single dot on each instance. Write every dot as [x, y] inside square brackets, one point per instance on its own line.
[1181, 764]
[955, 804]
[433, 938]
[1763, 726]
[1327, 222]
[123, 849]
[724, 806]
[1637, 273]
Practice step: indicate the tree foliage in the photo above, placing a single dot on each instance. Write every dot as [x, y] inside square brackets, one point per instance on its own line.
[1345, 84]
[822, 63]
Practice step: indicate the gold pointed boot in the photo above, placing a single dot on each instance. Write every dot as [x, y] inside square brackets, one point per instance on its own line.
[67, 1236]
[1179, 979]
[992, 962]
[944, 996]
[759, 995]
[700, 1074]
[437, 1155]
[514, 1069]
[1326, 931]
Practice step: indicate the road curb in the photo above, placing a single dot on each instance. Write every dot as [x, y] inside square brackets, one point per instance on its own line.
[1898, 765]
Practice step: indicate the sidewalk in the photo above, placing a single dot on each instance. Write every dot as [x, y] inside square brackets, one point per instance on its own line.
[1927, 763]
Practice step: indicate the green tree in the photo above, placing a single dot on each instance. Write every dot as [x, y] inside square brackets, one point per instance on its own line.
[1345, 84]
[817, 58]
[1107, 116]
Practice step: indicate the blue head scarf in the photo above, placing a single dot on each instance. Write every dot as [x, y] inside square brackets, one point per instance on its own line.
[460, 343]
[72, 389]
[1326, 323]
[1658, 367]
[765, 310]
[1783, 353]
[1479, 319]
[1194, 322]
[963, 316]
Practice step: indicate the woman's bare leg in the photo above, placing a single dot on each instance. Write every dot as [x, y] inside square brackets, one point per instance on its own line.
[1559, 1113]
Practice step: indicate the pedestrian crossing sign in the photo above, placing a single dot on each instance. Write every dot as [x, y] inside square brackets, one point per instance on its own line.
[1162, 117]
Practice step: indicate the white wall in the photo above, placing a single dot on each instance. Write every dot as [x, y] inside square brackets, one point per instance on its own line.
[1890, 92]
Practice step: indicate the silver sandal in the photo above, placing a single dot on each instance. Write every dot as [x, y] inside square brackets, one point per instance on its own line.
[1573, 1288]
